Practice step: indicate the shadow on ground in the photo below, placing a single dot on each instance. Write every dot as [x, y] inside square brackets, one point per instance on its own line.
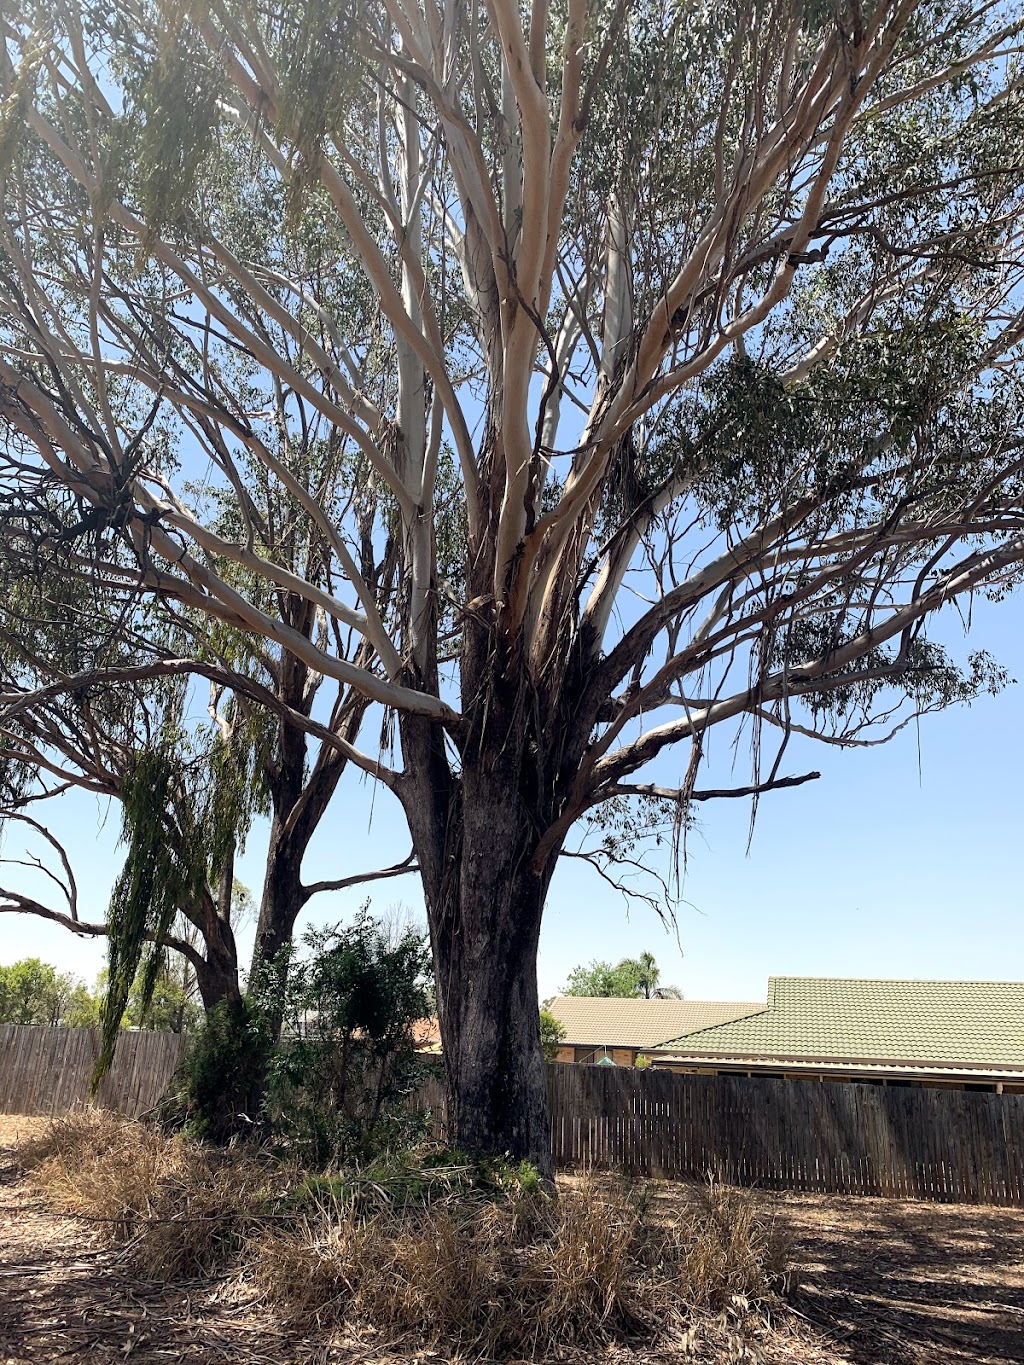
[905, 1284]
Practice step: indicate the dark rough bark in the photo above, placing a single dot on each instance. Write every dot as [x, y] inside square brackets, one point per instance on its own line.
[282, 897]
[217, 974]
[299, 806]
[299, 800]
[489, 1009]
[216, 964]
[484, 907]
[476, 837]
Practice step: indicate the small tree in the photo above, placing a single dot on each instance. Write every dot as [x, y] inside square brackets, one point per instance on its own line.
[171, 1006]
[33, 992]
[347, 1061]
[552, 1035]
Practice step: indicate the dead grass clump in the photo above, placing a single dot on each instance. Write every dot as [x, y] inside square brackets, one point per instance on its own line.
[597, 1269]
[729, 1253]
[521, 1274]
[202, 1217]
[104, 1167]
[475, 1258]
[179, 1208]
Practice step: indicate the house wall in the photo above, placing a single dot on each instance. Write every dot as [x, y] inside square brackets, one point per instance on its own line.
[621, 1056]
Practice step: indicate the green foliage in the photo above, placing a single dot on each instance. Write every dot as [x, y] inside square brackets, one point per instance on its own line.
[630, 978]
[552, 1034]
[414, 1177]
[347, 1059]
[320, 43]
[177, 111]
[156, 880]
[218, 1090]
[33, 992]
[320, 1055]
[180, 837]
[602, 979]
[169, 1009]
[85, 1008]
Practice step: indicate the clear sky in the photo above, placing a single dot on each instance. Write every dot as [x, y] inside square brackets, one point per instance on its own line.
[902, 861]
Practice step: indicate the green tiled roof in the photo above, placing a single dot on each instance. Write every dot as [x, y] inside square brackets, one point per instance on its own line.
[971, 1023]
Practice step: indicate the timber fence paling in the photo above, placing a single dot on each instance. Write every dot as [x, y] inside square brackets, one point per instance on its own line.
[49, 1070]
[828, 1137]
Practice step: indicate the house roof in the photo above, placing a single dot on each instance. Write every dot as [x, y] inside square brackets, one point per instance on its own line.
[916, 1023]
[591, 1021]
[426, 1035]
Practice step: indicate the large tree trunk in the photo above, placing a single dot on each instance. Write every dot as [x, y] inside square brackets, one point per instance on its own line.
[475, 838]
[283, 896]
[485, 930]
[217, 974]
[478, 829]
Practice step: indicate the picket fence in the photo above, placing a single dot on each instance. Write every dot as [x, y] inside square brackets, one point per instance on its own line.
[947, 1146]
[48, 1070]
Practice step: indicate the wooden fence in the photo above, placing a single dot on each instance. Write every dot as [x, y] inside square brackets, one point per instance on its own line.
[837, 1138]
[47, 1070]
[942, 1145]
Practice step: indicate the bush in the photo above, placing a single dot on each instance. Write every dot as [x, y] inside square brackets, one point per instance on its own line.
[334, 1086]
[218, 1091]
[552, 1035]
[340, 1079]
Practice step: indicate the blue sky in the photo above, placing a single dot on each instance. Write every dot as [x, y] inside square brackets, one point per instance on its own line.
[902, 861]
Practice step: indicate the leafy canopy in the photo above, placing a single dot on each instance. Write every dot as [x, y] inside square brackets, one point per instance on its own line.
[631, 978]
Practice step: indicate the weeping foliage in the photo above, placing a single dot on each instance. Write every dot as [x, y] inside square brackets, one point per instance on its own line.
[154, 882]
[170, 125]
[182, 824]
[320, 44]
[17, 99]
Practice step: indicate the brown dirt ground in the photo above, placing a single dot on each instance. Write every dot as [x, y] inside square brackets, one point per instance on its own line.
[879, 1283]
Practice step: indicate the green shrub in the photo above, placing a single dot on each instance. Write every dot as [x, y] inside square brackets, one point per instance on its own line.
[552, 1035]
[339, 1081]
[218, 1091]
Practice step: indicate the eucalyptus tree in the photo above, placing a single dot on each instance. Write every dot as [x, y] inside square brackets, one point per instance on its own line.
[678, 350]
[132, 728]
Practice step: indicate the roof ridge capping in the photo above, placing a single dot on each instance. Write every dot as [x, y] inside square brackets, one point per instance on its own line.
[657, 999]
[895, 981]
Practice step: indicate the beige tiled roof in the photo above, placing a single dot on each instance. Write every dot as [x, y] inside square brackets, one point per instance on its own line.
[600, 1022]
[946, 1023]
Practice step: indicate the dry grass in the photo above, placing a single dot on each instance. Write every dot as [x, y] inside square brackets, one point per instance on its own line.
[181, 1209]
[422, 1256]
[524, 1275]
[730, 1252]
